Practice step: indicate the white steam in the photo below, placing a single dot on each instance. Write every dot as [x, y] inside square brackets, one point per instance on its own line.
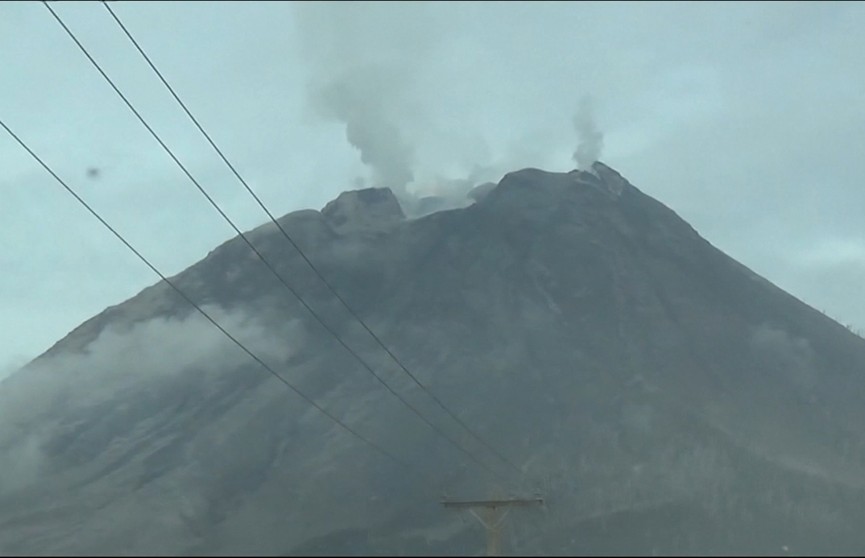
[590, 138]
[377, 70]
[363, 60]
[369, 127]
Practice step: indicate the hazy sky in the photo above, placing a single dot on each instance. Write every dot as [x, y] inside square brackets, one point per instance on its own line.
[748, 119]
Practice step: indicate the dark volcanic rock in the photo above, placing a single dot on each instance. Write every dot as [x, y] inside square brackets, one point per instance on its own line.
[372, 207]
[662, 397]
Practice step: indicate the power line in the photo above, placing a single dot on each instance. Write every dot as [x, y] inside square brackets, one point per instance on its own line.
[209, 318]
[288, 237]
[213, 203]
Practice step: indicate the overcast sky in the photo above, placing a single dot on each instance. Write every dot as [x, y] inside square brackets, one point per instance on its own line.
[748, 119]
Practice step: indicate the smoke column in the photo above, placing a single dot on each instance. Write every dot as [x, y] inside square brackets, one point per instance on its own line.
[369, 128]
[363, 60]
[590, 138]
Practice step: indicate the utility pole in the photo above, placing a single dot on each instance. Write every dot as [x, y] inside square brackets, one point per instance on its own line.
[491, 515]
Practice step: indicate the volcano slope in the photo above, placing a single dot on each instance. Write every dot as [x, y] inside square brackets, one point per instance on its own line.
[660, 396]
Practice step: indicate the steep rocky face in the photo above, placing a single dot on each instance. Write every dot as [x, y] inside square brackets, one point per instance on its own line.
[662, 397]
[373, 207]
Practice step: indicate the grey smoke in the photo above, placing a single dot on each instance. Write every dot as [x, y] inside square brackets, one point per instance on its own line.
[590, 138]
[443, 193]
[367, 65]
[363, 61]
[355, 101]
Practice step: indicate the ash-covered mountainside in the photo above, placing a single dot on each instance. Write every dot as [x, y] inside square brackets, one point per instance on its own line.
[660, 396]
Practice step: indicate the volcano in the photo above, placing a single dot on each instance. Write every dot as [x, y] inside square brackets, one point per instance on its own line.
[659, 396]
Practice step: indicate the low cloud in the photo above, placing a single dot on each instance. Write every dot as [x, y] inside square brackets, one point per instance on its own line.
[12, 365]
[125, 363]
